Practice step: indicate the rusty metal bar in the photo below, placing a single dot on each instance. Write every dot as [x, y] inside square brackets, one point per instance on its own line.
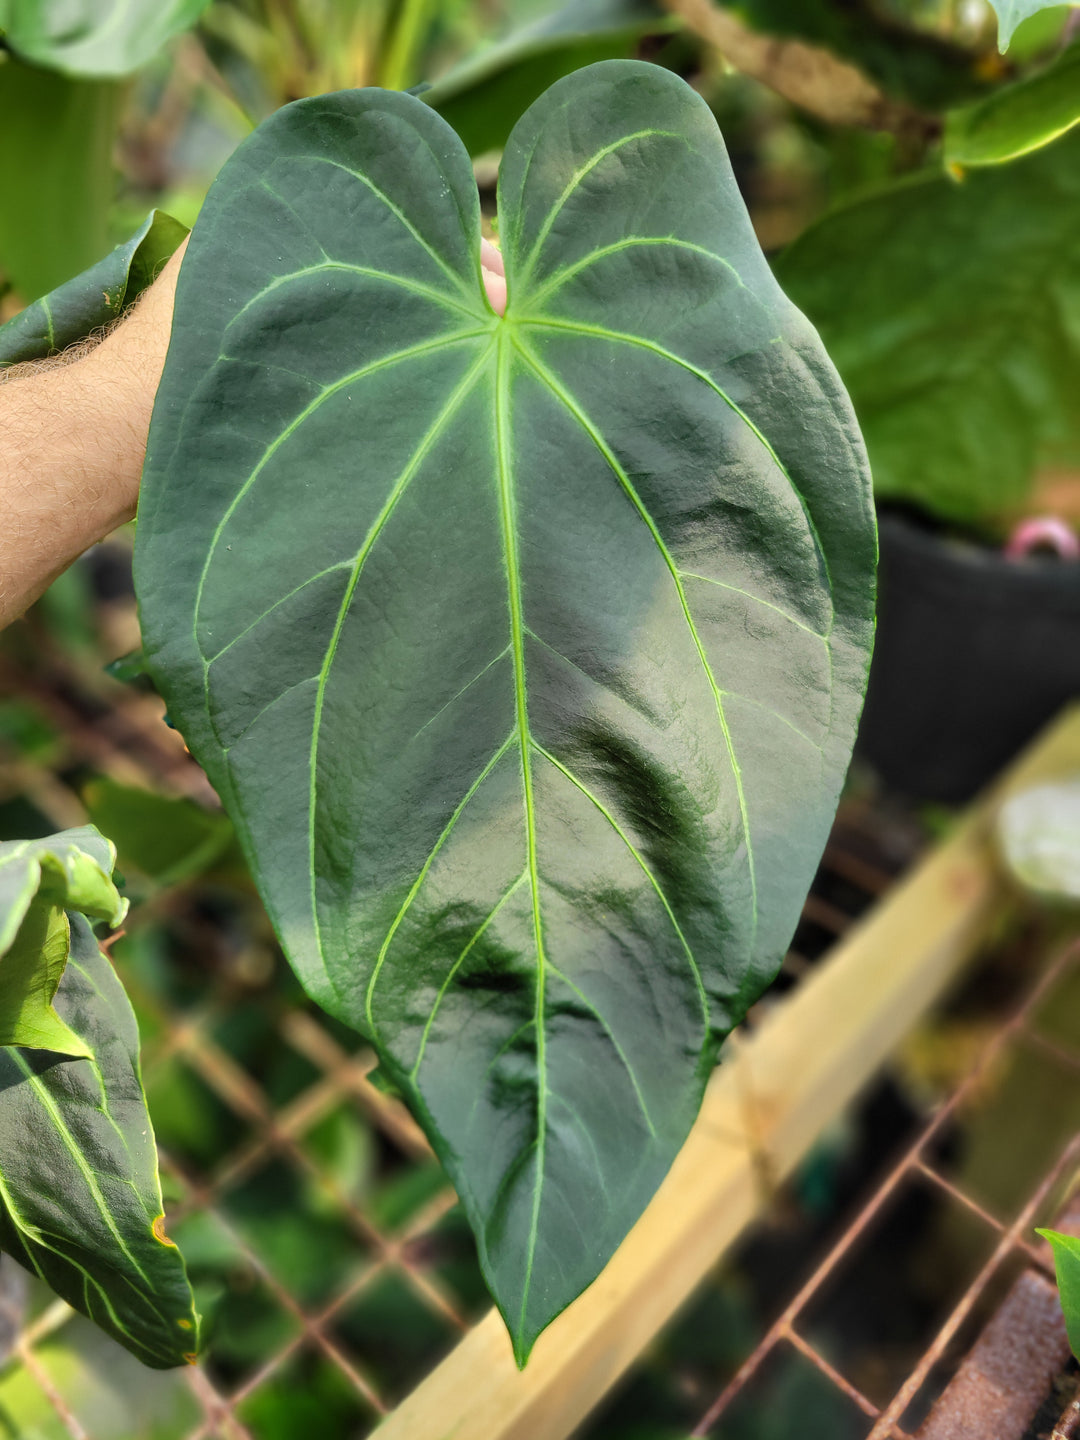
[914, 1164]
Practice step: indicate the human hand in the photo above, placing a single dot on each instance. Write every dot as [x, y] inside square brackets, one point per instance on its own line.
[74, 438]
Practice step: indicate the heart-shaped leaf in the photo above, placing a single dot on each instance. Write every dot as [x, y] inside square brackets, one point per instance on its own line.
[39, 881]
[80, 1199]
[526, 652]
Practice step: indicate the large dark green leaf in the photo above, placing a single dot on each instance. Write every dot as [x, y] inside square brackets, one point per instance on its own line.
[93, 298]
[952, 311]
[526, 653]
[1017, 118]
[80, 1200]
[39, 881]
[483, 97]
[94, 37]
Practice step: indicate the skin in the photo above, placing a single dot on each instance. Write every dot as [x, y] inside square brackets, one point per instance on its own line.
[74, 438]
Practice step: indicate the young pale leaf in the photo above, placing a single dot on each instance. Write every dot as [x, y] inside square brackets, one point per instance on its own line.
[93, 298]
[525, 652]
[1011, 12]
[80, 1199]
[1066, 1250]
[85, 37]
[1018, 118]
[933, 299]
[39, 881]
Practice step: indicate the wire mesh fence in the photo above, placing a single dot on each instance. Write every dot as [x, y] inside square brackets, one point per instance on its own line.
[326, 1247]
[926, 1162]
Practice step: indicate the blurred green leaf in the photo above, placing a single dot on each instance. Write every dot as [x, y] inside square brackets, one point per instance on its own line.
[952, 311]
[163, 837]
[39, 881]
[1039, 831]
[1018, 118]
[80, 1200]
[1066, 1250]
[93, 298]
[85, 37]
[925, 69]
[56, 174]
[1011, 12]
[485, 96]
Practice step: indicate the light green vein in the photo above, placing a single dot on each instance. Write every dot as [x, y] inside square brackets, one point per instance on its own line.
[507, 511]
[467, 686]
[457, 398]
[586, 1135]
[447, 270]
[417, 286]
[619, 1051]
[449, 978]
[768, 710]
[758, 600]
[103, 1108]
[613, 822]
[631, 242]
[265, 614]
[567, 400]
[426, 347]
[622, 338]
[414, 889]
[32, 1236]
[575, 180]
[68, 1141]
[49, 320]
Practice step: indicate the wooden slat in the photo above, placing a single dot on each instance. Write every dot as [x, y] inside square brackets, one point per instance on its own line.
[763, 1111]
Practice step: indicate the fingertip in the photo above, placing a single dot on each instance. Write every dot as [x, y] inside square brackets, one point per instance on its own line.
[491, 257]
[495, 285]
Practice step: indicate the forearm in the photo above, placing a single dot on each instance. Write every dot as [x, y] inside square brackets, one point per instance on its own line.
[72, 441]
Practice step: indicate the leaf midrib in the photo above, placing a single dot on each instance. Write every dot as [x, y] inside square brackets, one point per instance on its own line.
[507, 508]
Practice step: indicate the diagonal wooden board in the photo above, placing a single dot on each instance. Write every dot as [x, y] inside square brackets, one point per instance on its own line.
[763, 1111]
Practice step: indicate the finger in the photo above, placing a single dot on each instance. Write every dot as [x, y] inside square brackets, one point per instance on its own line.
[495, 285]
[491, 257]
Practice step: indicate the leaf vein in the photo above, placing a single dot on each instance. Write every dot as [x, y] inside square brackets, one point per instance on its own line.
[560, 393]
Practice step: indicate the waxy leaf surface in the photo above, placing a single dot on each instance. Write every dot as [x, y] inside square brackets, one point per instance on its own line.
[39, 881]
[80, 1199]
[94, 298]
[525, 652]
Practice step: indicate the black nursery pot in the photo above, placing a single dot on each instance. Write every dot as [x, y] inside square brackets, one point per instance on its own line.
[974, 653]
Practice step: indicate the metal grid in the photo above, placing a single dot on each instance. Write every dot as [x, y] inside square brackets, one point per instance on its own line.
[110, 729]
[1012, 1240]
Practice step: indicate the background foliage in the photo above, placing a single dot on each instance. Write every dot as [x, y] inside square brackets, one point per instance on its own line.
[894, 141]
